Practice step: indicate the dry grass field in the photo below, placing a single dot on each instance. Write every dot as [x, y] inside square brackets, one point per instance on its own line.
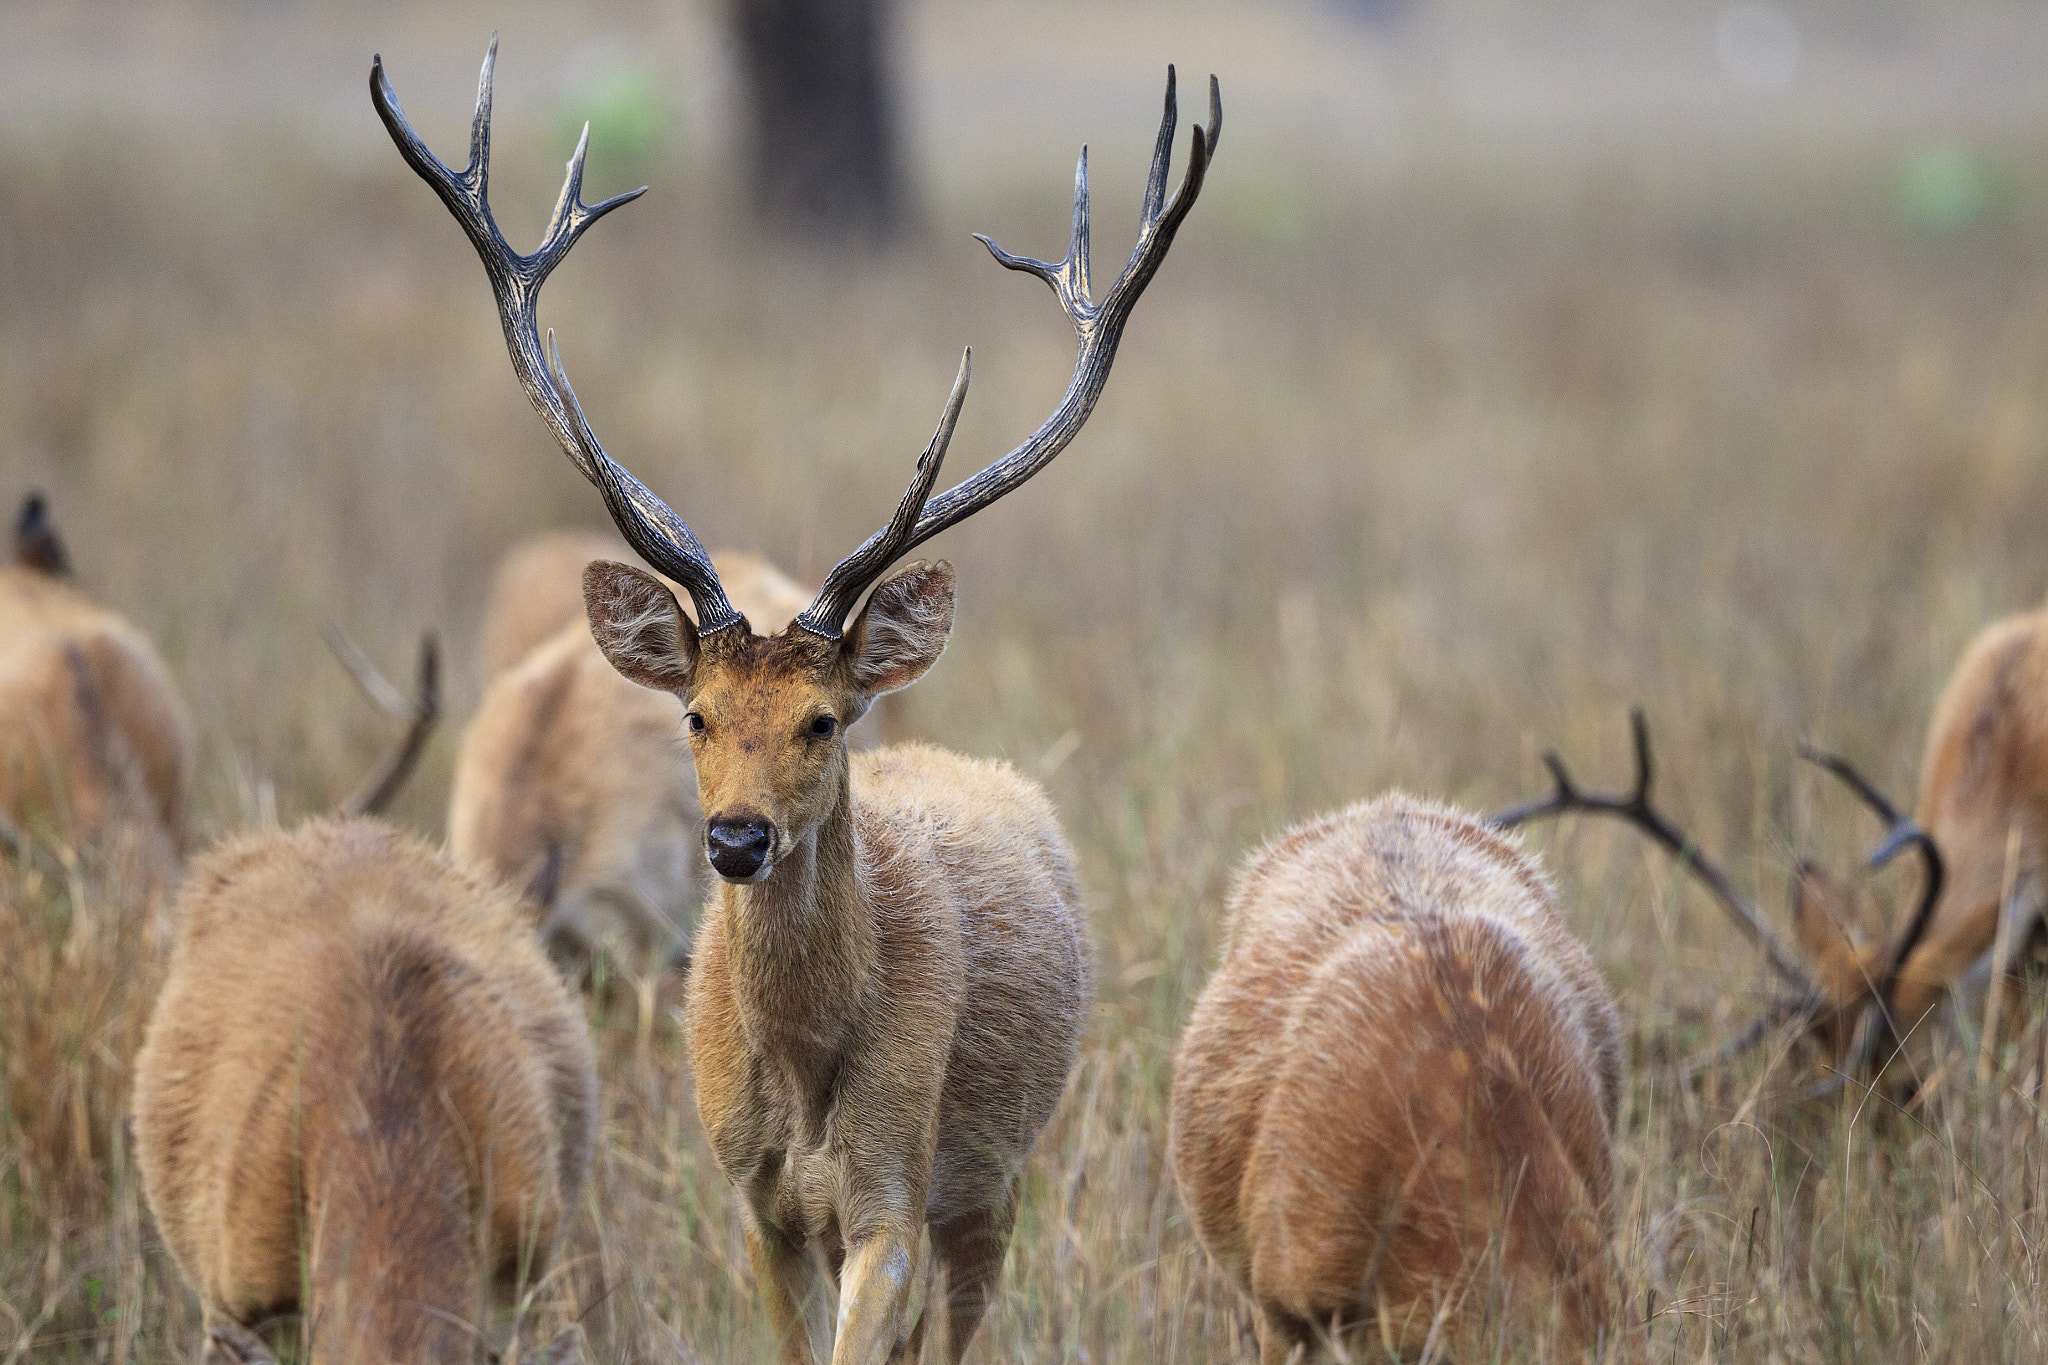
[1435, 443]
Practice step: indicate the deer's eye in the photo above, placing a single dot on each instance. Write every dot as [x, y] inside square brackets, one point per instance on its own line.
[824, 726]
[695, 722]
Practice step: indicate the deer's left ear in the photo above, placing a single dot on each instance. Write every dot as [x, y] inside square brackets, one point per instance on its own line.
[903, 629]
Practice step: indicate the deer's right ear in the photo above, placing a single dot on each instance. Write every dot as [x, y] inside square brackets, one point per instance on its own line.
[640, 626]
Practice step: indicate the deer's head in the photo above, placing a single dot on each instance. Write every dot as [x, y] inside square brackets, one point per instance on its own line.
[766, 717]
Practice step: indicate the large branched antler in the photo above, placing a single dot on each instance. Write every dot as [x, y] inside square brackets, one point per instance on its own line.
[1636, 809]
[1099, 327]
[653, 529]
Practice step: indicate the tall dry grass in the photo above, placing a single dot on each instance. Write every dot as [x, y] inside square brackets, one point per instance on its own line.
[1392, 487]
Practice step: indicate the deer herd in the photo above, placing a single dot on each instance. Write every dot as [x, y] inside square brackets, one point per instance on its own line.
[367, 1098]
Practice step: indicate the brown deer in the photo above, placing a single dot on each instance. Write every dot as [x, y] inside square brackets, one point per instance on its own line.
[94, 740]
[1847, 995]
[567, 786]
[1404, 1068]
[889, 992]
[365, 1095]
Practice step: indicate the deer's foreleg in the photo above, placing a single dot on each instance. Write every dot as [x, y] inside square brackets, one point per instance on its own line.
[873, 1287]
[786, 1277]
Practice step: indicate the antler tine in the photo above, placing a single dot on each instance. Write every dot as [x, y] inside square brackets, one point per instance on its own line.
[1856, 782]
[422, 712]
[1901, 833]
[851, 576]
[1098, 328]
[649, 525]
[1636, 809]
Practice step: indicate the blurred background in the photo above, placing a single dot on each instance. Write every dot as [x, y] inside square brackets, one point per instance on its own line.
[1520, 362]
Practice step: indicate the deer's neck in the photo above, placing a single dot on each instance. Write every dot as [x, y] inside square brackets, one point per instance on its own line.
[802, 948]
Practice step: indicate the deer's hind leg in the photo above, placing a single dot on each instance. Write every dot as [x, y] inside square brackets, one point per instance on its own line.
[967, 1253]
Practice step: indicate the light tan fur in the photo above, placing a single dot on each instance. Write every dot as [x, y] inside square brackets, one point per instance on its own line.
[884, 1013]
[1403, 1066]
[572, 785]
[94, 739]
[1984, 777]
[365, 1095]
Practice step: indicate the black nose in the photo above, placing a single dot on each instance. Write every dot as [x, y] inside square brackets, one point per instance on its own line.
[738, 847]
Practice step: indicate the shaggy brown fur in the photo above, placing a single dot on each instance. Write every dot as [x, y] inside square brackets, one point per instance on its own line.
[94, 740]
[364, 1095]
[1403, 1067]
[1984, 777]
[572, 785]
[884, 1013]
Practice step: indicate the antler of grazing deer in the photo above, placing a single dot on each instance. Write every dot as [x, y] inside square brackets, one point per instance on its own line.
[419, 713]
[1901, 832]
[1099, 327]
[661, 537]
[1636, 809]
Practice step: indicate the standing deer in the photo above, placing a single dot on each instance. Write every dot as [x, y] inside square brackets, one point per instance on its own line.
[1850, 996]
[94, 740]
[1403, 1066]
[888, 994]
[567, 787]
[365, 1095]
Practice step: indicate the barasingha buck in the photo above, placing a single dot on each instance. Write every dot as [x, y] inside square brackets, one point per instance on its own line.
[94, 739]
[889, 992]
[365, 1099]
[1394, 1103]
[567, 787]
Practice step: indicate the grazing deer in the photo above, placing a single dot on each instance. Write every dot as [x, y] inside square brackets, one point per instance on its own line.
[94, 740]
[365, 1094]
[1403, 1066]
[1848, 995]
[567, 787]
[888, 995]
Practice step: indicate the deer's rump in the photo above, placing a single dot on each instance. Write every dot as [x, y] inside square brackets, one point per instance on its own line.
[394, 1017]
[91, 728]
[1402, 1065]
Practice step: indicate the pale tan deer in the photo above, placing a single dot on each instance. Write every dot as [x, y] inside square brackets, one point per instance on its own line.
[365, 1097]
[94, 739]
[1401, 1082]
[567, 786]
[889, 992]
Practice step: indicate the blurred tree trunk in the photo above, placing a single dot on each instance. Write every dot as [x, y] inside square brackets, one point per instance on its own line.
[821, 121]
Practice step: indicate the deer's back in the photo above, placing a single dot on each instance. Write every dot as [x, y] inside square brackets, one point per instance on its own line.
[313, 971]
[1401, 1042]
[92, 730]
